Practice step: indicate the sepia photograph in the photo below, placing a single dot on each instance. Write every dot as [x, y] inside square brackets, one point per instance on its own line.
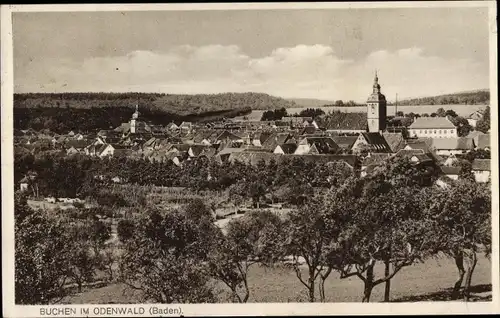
[261, 154]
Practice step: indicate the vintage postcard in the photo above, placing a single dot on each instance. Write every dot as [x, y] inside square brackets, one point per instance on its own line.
[249, 159]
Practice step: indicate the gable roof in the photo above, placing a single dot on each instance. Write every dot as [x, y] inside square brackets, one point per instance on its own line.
[395, 141]
[408, 153]
[227, 135]
[324, 145]
[275, 140]
[419, 144]
[481, 165]
[376, 141]
[288, 148]
[308, 130]
[422, 157]
[431, 123]
[198, 149]
[230, 150]
[475, 115]
[345, 142]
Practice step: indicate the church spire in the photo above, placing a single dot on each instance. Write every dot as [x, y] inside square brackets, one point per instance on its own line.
[376, 86]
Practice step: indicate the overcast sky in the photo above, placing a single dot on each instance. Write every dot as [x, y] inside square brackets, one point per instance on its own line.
[325, 53]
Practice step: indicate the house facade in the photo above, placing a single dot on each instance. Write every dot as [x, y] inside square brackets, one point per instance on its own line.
[432, 127]
[482, 170]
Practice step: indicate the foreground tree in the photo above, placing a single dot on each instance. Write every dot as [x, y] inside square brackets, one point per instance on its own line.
[41, 257]
[383, 222]
[249, 240]
[484, 124]
[166, 258]
[312, 238]
[463, 214]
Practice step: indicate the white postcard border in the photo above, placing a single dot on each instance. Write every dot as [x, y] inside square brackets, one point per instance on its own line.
[11, 310]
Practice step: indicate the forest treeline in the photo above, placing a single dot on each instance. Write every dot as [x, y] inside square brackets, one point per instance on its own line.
[63, 120]
[480, 97]
[178, 104]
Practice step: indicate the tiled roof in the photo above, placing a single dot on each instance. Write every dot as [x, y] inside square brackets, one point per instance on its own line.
[77, 144]
[198, 149]
[395, 141]
[450, 170]
[419, 144]
[352, 160]
[226, 135]
[344, 121]
[432, 122]
[308, 130]
[275, 140]
[252, 158]
[376, 158]
[460, 143]
[345, 142]
[422, 157]
[288, 148]
[376, 141]
[481, 165]
[229, 150]
[324, 145]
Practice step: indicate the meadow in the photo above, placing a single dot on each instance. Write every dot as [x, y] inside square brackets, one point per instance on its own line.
[429, 281]
[461, 110]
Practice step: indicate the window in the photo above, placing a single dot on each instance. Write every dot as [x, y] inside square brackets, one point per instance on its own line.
[425, 131]
[440, 131]
[434, 130]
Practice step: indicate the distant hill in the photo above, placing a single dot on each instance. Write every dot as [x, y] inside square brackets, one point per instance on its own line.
[474, 97]
[89, 111]
[178, 104]
[310, 102]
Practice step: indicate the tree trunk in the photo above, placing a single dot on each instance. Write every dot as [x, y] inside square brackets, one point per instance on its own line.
[470, 271]
[368, 284]
[79, 282]
[311, 291]
[367, 292]
[387, 272]
[459, 261]
[322, 289]
[311, 282]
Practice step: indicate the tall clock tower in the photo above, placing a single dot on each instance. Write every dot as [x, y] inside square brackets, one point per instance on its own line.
[376, 108]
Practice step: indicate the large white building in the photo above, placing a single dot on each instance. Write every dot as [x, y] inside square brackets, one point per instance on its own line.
[433, 127]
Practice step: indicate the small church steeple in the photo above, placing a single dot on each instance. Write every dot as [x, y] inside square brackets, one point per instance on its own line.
[376, 86]
[135, 115]
[133, 121]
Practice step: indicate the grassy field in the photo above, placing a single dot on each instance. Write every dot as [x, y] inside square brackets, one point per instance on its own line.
[430, 281]
[462, 110]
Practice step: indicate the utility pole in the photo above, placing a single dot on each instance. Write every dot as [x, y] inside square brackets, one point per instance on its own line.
[396, 111]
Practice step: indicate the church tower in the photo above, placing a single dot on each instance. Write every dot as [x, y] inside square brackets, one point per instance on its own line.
[133, 121]
[376, 108]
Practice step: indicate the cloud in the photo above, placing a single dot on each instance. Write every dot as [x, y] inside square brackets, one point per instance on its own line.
[313, 71]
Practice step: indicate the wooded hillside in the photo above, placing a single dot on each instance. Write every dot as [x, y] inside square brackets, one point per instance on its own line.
[478, 97]
[181, 105]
